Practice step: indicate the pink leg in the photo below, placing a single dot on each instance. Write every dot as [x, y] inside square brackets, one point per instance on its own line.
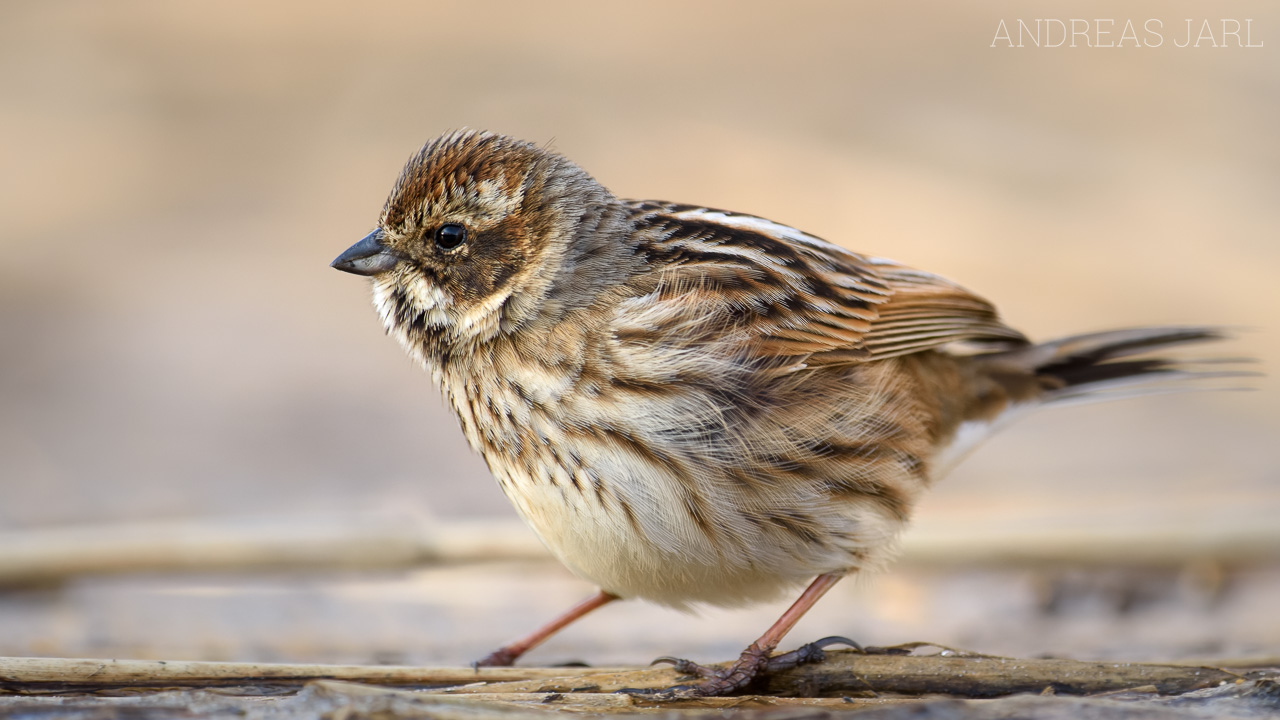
[756, 657]
[508, 654]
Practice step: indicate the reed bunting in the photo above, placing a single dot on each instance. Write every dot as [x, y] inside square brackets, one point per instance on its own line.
[691, 405]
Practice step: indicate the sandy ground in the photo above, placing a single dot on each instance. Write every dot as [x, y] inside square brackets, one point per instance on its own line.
[175, 178]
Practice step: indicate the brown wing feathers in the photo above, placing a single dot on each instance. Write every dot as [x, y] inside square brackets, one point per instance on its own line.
[823, 302]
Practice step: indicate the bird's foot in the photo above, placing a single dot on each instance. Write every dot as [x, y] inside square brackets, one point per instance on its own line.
[813, 652]
[502, 657]
[753, 664]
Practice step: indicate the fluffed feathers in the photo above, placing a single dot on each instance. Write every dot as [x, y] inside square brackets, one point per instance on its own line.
[689, 404]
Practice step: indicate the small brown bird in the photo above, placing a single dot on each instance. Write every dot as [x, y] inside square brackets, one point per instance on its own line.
[690, 405]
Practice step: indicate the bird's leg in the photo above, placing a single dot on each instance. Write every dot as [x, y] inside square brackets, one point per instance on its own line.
[509, 653]
[755, 660]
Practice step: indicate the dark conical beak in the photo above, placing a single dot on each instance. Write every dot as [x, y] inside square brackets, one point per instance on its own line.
[367, 257]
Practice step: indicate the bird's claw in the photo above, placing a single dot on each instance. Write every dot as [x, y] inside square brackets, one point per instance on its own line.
[688, 667]
[809, 653]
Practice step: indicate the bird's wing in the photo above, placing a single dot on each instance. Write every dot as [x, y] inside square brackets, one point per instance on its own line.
[795, 295]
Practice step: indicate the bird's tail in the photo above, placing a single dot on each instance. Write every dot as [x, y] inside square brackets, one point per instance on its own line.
[1087, 368]
[1121, 363]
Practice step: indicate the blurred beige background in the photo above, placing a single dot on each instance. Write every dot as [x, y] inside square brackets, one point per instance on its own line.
[176, 177]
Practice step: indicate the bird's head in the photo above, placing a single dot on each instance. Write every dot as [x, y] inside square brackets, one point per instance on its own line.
[482, 233]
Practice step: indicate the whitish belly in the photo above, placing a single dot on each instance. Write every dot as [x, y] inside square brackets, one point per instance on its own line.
[628, 527]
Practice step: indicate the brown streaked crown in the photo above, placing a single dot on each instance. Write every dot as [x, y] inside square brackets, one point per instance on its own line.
[466, 171]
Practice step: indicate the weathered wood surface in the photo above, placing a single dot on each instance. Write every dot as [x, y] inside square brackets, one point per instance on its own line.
[336, 700]
[846, 673]
[843, 673]
[878, 685]
[35, 675]
[50, 555]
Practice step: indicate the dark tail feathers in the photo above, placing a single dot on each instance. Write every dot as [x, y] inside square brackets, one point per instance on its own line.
[1118, 363]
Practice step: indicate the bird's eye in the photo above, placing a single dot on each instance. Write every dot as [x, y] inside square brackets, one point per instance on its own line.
[450, 236]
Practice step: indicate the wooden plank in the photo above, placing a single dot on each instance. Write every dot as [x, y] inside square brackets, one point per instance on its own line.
[46, 674]
[50, 555]
[843, 673]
